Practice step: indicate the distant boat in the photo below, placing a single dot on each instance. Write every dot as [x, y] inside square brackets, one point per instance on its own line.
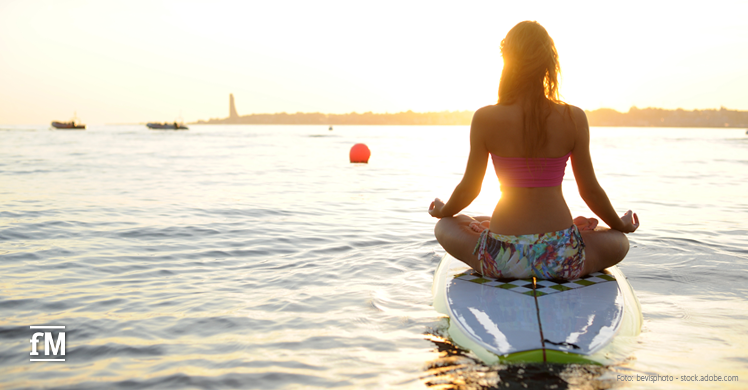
[167, 126]
[72, 125]
[68, 125]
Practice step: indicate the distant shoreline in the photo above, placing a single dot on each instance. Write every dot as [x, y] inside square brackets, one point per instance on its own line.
[635, 117]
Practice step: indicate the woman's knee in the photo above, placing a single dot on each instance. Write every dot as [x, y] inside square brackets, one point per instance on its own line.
[445, 228]
[624, 245]
[450, 225]
[604, 248]
[456, 237]
[442, 225]
[618, 244]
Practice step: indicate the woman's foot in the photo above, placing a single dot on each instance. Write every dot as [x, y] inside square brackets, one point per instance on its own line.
[583, 223]
[479, 226]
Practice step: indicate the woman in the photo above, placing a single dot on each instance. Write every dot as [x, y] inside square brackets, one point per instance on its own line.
[529, 135]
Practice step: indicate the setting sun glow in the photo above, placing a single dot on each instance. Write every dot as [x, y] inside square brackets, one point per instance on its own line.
[138, 61]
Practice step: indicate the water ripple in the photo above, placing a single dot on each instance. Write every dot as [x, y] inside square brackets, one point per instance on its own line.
[213, 259]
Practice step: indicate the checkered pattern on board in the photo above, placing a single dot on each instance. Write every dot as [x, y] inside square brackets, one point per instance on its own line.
[544, 287]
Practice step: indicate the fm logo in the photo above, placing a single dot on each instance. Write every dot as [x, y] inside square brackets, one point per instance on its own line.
[50, 345]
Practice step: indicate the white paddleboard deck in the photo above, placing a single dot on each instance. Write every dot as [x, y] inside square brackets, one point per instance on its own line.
[545, 321]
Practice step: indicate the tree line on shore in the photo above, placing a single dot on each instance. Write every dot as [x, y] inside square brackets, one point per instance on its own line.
[635, 117]
[367, 118]
[658, 117]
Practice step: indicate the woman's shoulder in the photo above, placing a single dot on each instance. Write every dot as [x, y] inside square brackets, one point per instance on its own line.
[575, 112]
[490, 121]
[499, 109]
[497, 113]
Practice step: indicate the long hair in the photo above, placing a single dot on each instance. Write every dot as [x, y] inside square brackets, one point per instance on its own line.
[530, 77]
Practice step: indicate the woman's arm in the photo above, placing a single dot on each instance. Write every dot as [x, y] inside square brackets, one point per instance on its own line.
[589, 189]
[471, 182]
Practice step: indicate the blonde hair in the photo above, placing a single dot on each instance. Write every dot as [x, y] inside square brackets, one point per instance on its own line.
[530, 75]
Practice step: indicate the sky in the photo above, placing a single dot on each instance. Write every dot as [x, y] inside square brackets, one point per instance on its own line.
[138, 61]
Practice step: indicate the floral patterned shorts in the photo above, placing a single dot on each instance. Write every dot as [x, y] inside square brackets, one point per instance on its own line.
[554, 255]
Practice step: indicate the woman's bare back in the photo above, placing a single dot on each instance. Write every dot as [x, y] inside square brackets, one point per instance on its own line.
[528, 210]
[504, 132]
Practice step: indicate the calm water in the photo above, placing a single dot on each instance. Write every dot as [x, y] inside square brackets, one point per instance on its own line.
[258, 257]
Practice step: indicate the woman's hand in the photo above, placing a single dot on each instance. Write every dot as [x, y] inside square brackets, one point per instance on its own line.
[630, 222]
[435, 209]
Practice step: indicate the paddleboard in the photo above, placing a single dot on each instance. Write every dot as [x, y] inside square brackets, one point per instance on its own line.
[591, 320]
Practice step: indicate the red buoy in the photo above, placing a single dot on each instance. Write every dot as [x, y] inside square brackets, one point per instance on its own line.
[360, 153]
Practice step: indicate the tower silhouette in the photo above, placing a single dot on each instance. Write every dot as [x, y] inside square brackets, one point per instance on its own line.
[232, 107]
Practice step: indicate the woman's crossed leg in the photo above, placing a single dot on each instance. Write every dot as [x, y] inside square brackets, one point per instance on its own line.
[458, 235]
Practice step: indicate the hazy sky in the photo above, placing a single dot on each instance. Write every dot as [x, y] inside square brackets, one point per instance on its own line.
[137, 61]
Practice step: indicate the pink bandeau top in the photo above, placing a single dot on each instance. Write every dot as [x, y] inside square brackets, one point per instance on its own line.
[542, 172]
